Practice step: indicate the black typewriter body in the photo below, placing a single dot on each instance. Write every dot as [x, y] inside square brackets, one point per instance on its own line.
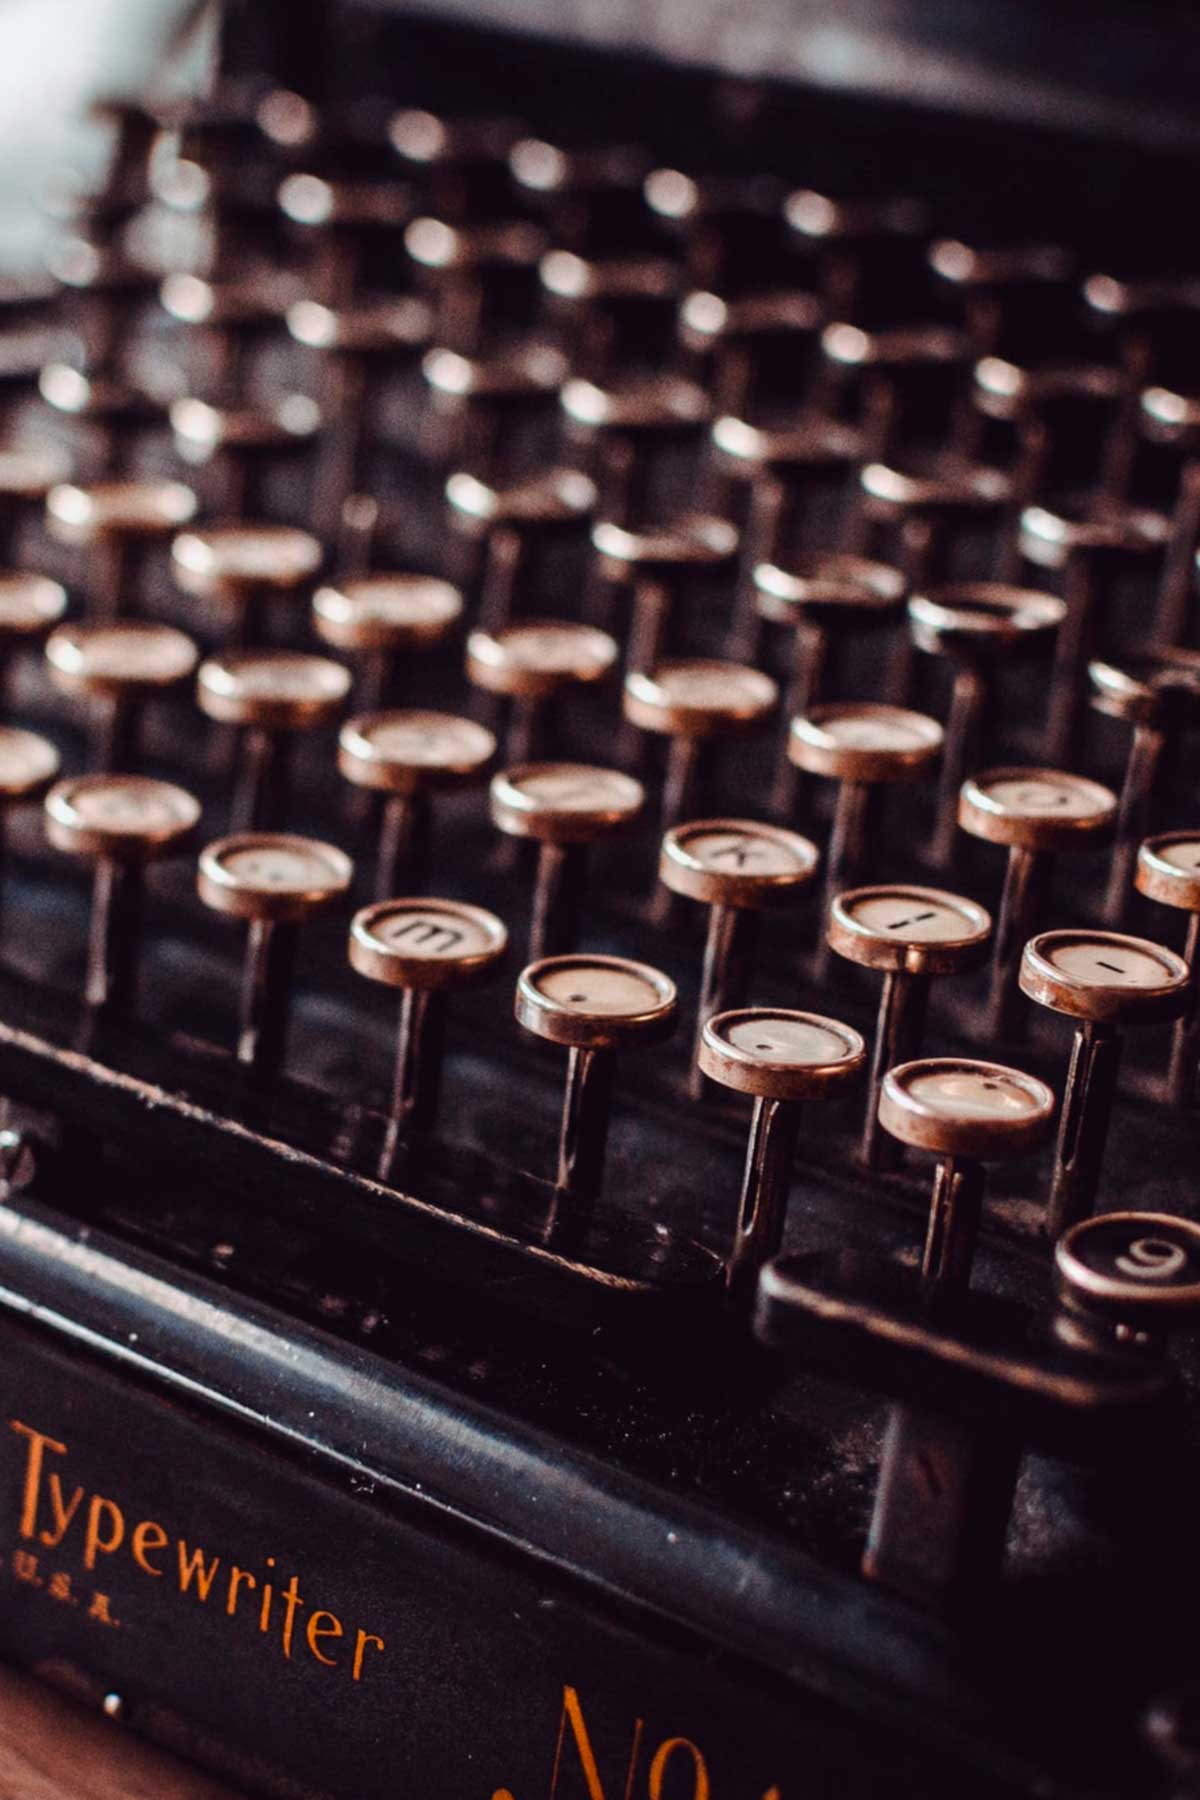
[356, 1465]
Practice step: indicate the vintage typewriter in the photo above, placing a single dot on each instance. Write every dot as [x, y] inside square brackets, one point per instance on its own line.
[600, 669]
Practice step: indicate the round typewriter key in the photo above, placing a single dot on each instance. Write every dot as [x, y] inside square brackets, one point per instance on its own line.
[912, 934]
[696, 704]
[1106, 981]
[780, 1058]
[118, 668]
[861, 745]
[28, 764]
[1159, 696]
[564, 807]
[928, 508]
[425, 948]
[1139, 1270]
[735, 867]
[657, 565]
[1168, 870]
[382, 616]
[271, 695]
[1086, 549]
[1037, 814]
[534, 664]
[245, 566]
[967, 1113]
[275, 882]
[119, 823]
[505, 520]
[974, 625]
[237, 443]
[407, 757]
[788, 468]
[30, 606]
[109, 518]
[595, 1005]
[826, 598]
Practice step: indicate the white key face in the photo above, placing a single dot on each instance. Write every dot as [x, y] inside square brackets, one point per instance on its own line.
[259, 553]
[1183, 854]
[1041, 798]
[576, 788]
[557, 649]
[1101, 962]
[871, 731]
[133, 653]
[432, 933]
[778, 1038]
[286, 677]
[29, 601]
[742, 853]
[428, 741]
[25, 759]
[400, 600]
[907, 917]
[599, 990]
[721, 688]
[973, 1094]
[1143, 1256]
[32, 470]
[133, 807]
[282, 868]
[135, 505]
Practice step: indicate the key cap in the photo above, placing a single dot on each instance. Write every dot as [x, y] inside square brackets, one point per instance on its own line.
[240, 443]
[975, 626]
[119, 823]
[508, 520]
[967, 1113]
[595, 1006]
[928, 508]
[563, 807]
[28, 765]
[1086, 550]
[696, 704]
[271, 695]
[30, 606]
[1168, 870]
[427, 949]
[1160, 697]
[111, 520]
[737, 868]
[622, 425]
[912, 934]
[408, 757]
[118, 669]
[1037, 814]
[863, 746]
[781, 1058]
[1108, 983]
[826, 599]
[245, 567]
[275, 882]
[537, 664]
[659, 566]
[386, 619]
[1129, 1274]
[788, 469]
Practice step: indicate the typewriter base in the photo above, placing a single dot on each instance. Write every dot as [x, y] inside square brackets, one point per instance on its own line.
[395, 1599]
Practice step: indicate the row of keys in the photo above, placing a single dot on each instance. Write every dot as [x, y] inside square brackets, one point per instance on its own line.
[1105, 981]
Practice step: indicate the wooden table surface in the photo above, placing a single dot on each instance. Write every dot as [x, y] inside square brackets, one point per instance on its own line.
[52, 1749]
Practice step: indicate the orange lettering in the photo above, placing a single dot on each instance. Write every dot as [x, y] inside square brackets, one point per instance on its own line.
[572, 1714]
[38, 1442]
[93, 1543]
[192, 1564]
[236, 1577]
[364, 1638]
[147, 1536]
[62, 1514]
[662, 1757]
[316, 1630]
